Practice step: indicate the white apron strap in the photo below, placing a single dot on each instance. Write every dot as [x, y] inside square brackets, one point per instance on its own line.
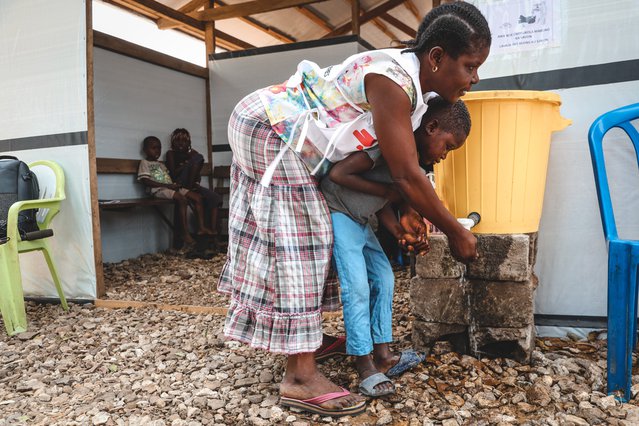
[270, 170]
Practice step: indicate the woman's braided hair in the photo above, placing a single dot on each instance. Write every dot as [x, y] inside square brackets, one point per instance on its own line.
[457, 27]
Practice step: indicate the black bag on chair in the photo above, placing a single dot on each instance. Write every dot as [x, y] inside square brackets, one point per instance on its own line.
[17, 183]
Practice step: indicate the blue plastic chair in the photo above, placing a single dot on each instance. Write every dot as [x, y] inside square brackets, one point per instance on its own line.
[623, 257]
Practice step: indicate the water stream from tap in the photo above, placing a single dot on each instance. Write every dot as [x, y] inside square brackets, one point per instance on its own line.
[472, 325]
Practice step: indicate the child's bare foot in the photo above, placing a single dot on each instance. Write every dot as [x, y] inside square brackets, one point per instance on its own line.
[372, 381]
[386, 363]
[189, 241]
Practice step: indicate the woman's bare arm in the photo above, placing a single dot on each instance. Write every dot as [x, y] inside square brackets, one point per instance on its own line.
[391, 109]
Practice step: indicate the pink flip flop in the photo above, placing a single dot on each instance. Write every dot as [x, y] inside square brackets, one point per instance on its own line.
[312, 405]
[332, 349]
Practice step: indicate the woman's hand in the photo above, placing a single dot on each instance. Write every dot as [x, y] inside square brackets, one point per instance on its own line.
[463, 245]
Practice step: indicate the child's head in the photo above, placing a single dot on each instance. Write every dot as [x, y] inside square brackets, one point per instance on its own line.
[444, 128]
[181, 140]
[152, 148]
[454, 39]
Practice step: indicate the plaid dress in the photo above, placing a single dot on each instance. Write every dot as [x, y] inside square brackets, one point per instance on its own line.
[280, 242]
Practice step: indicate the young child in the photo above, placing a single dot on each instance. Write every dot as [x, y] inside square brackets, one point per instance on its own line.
[155, 176]
[356, 189]
[185, 166]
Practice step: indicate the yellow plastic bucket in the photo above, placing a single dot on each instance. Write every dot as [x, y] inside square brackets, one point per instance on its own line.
[500, 172]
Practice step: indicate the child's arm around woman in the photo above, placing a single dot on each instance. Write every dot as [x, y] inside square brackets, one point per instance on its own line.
[348, 172]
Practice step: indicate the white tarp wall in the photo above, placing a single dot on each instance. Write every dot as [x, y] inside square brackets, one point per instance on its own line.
[43, 115]
[235, 75]
[134, 99]
[593, 64]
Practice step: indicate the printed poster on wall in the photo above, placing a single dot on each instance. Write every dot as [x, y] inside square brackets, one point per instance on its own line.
[519, 25]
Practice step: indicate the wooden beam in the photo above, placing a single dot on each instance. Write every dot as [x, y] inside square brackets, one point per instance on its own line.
[209, 39]
[356, 13]
[161, 11]
[167, 24]
[411, 32]
[368, 16]
[248, 8]
[413, 9]
[315, 17]
[150, 14]
[191, 309]
[93, 175]
[355, 16]
[125, 166]
[225, 41]
[210, 42]
[117, 166]
[209, 135]
[209, 35]
[192, 6]
[133, 50]
[273, 32]
[225, 44]
[383, 28]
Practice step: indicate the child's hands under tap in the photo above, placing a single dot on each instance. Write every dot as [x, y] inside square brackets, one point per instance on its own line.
[417, 243]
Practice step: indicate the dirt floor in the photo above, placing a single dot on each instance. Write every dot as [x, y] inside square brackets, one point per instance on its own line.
[147, 366]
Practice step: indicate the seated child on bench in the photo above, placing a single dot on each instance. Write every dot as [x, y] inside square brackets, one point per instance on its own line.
[155, 176]
[185, 166]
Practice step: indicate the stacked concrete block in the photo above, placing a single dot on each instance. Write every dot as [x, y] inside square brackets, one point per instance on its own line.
[485, 308]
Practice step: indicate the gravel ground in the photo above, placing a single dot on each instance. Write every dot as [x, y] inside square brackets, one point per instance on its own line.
[169, 279]
[94, 366]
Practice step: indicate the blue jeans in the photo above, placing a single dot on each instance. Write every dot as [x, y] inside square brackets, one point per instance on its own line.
[367, 281]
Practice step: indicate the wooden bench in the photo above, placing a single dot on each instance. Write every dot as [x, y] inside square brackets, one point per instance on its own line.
[129, 203]
[221, 176]
[130, 167]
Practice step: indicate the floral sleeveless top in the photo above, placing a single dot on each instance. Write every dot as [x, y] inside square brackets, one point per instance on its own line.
[323, 113]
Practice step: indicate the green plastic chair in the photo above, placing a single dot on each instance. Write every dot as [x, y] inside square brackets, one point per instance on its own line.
[51, 181]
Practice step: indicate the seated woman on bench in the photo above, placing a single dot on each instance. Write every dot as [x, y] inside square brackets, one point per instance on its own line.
[155, 176]
[185, 166]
